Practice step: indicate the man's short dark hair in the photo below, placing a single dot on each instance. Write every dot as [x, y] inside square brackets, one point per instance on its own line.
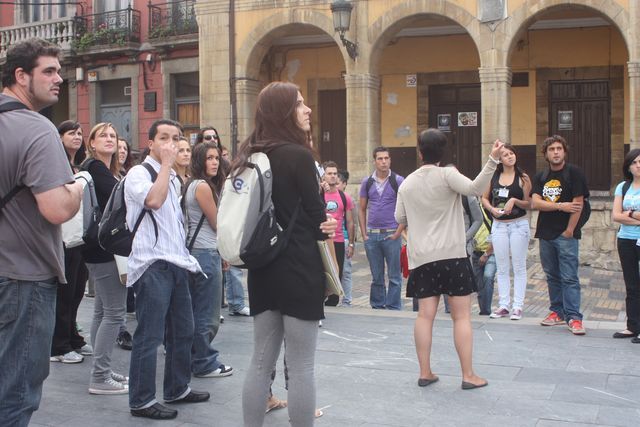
[431, 144]
[554, 138]
[153, 130]
[343, 175]
[329, 164]
[380, 149]
[25, 55]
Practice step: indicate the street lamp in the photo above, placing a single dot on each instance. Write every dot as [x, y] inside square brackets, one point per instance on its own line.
[341, 11]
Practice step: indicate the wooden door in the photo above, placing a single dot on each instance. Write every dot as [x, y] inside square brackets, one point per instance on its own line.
[455, 109]
[580, 113]
[332, 135]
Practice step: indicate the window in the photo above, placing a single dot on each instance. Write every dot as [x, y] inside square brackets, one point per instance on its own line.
[28, 11]
[186, 106]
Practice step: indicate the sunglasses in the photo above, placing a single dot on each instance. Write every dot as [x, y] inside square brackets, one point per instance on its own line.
[210, 137]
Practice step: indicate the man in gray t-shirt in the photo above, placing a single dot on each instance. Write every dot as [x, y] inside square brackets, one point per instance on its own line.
[32, 160]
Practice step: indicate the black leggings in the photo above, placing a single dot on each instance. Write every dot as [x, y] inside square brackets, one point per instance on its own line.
[629, 253]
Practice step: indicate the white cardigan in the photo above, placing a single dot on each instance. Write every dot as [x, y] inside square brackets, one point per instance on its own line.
[430, 205]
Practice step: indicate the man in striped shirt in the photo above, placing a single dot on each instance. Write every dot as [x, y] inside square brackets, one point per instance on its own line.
[158, 270]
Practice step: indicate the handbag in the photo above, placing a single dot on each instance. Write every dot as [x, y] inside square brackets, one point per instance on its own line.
[330, 267]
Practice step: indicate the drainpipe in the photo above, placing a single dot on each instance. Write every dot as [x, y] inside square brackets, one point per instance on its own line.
[232, 77]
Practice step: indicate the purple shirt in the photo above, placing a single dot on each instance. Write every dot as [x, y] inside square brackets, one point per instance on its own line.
[381, 207]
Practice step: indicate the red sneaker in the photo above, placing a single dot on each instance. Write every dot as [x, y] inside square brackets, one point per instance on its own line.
[552, 319]
[575, 326]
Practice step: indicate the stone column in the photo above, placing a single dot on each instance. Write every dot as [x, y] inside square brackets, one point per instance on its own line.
[363, 121]
[247, 91]
[633, 70]
[495, 85]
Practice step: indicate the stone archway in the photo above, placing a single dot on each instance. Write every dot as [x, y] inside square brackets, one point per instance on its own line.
[257, 43]
[385, 27]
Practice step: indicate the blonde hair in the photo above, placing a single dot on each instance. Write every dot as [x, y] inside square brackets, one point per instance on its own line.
[114, 165]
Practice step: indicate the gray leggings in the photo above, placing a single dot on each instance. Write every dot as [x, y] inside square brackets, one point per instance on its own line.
[108, 314]
[269, 330]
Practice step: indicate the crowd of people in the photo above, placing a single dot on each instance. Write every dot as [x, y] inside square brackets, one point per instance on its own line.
[460, 234]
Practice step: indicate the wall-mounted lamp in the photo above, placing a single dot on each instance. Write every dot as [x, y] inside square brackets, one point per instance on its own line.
[341, 11]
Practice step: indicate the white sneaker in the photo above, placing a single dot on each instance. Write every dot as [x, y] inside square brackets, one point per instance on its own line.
[110, 386]
[222, 371]
[85, 350]
[120, 378]
[71, 357]
[243, 312]
[516, 314]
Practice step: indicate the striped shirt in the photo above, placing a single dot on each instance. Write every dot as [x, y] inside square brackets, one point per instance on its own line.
[170, 245]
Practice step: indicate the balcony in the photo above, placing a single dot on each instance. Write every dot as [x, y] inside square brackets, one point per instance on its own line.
[107, 32]
[173, 23]
[59, 31]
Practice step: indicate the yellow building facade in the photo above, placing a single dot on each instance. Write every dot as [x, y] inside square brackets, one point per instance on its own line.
[518, 70]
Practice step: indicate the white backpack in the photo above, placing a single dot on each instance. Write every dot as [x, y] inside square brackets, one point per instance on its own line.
[248, 233]
[75, 229]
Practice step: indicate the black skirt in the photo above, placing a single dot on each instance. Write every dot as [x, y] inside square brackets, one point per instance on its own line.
[444, 277]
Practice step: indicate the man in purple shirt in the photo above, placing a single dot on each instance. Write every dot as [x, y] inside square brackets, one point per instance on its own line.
[381, 232]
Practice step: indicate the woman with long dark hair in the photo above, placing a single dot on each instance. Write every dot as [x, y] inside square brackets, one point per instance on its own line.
[201, 197]
[626, 212]
[68, 345]
[286, 296]
[430, 205]
[507, 200]
[110, 300]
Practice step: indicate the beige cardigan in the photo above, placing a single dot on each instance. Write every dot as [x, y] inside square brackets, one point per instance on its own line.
[430, 205]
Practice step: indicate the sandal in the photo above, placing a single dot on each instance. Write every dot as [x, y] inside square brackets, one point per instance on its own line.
[275, 403]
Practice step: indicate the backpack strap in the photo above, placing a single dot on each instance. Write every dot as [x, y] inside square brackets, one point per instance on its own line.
[344, 206]
[467, 208]
[5, 107]
[625, 187]
[154, 175]
[393, 182]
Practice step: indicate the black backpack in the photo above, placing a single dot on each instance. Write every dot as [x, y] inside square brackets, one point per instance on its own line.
[114, 234]
[11, 106]
[566, 177]
[393, 181]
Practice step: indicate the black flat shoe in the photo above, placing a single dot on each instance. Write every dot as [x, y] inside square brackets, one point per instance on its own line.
[423, 382]
[155, 412]
[470, 386]
[636, 340]
[623, 335]
[192, 397]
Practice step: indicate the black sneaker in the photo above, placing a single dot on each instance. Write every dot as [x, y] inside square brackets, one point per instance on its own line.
[124, 340]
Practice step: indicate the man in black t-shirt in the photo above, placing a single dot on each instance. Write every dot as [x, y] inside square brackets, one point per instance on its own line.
[559, 194]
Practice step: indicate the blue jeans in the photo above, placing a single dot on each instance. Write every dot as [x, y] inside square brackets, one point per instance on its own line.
[484, 275]
[560, 260]
[27, 319]
[163, 306]
[234, 289]
[347, 283]
[206, 296]
[381, 249]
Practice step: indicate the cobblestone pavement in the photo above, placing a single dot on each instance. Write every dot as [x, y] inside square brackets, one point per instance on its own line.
[603, 291]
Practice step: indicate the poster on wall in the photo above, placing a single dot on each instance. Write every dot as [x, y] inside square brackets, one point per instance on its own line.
[468, 118]
[444, 122]
[412, 80]
[565, 120]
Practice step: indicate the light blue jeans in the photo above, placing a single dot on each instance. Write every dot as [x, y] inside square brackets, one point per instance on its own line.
[347, 283]
[27, 319]
[511, 238]
[234, 289]
[560, 259]
[206, 297]
[381, 249]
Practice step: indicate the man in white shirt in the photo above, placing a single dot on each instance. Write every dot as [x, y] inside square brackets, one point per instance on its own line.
[158, 270]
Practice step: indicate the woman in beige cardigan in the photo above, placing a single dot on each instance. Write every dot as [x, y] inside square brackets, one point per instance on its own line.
[429, 203]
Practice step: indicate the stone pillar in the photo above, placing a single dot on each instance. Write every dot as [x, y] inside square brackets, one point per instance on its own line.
[215, 107]
[247, 91]
[633, 70]
[495, 85]
[363, 121]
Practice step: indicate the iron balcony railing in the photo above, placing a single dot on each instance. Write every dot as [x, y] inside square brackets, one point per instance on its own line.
[173, 18]
[117, 27]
